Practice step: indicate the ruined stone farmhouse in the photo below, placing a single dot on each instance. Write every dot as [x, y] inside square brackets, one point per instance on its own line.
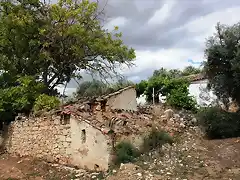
[81, 134]
[123, 99]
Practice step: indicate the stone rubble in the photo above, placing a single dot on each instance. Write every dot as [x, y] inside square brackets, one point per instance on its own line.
[125, 124]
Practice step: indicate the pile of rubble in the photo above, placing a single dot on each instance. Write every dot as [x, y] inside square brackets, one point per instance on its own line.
[176, 121]
[125, 123]
[176, 161]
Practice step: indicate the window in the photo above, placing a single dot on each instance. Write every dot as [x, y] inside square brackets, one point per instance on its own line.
[65, 119]
[83, 136]
[103, 105]
[96, 166]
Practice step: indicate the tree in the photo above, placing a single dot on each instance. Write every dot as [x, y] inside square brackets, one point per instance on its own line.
[91, 88]
[170, 84]
[172, 73]
[189, 70]
[98, 88]
[141, 87]
[222, 67]
[19, 98]
[56, 42]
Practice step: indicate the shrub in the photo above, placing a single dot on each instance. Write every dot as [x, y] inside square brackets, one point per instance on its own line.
[155, 139]
[125, 152]
[179, 98]
[218, 123]
[18, 97]
[45, 102]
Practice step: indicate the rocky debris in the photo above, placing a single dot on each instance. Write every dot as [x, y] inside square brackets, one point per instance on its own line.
[173, 160]
[168, 114]
[131, 171]
[80, 174]
[176, 121]
[145, 109]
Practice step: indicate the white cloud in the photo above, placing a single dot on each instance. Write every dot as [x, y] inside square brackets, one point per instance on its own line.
[201, 27]
[119, 21]
[162, 14]
[167, 58]
[204, 26]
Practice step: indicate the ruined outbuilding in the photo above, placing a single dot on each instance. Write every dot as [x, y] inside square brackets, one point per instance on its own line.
[82, 134]
[123, 99]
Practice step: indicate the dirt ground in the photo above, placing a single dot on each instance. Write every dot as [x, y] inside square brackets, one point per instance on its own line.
[205, 160]
[191, 158]
[15, 168]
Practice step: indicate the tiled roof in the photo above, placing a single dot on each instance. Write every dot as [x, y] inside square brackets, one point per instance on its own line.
[196, 77]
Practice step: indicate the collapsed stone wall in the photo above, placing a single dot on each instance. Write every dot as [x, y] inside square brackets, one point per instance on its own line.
[71, 141]
[42, 137]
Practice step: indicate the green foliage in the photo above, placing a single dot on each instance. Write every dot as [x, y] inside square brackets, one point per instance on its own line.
[175, 90]
[91, 88]
[54, 42]
[222, 67]
[218, 123]
[173, 73]
[176, 73]
[98, 88]
[125, 152]
[6, 80]
[45, 102]
[155, 139]
[19, 98]
[189, 70]
[141, 87]
[178, 96]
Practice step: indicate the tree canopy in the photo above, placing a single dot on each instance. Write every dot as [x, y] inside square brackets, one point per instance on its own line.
[54, 42]
[169, 83]
[176, 73]
[97, 88]
[223, 62]
[45, 45]
[189, 70]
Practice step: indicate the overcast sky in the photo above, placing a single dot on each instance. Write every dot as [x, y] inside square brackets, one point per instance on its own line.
[166, 33]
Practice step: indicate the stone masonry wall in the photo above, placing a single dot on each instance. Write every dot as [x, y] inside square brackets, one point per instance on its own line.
[73, 141]
[40, 137]
[125, 100]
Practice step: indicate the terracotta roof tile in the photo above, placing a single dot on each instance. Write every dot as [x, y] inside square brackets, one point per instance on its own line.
[196, 77]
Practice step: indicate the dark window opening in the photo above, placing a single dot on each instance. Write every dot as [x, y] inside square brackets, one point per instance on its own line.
[65, 119]
[119, 110]
[124, 123]
[83, 136]
[103, 105]
[96, 166]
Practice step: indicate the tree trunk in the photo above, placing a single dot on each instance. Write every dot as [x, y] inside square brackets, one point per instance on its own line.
[156, 99]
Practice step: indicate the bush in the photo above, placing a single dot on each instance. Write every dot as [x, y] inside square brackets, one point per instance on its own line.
[218, 123]
[155, 140]
[125, 152]
[179, 98]
[45, 102]
[18, 97]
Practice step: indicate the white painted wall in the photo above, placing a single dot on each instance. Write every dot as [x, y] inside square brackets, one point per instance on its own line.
[201, 94]
[91, 152]
[197, 90]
